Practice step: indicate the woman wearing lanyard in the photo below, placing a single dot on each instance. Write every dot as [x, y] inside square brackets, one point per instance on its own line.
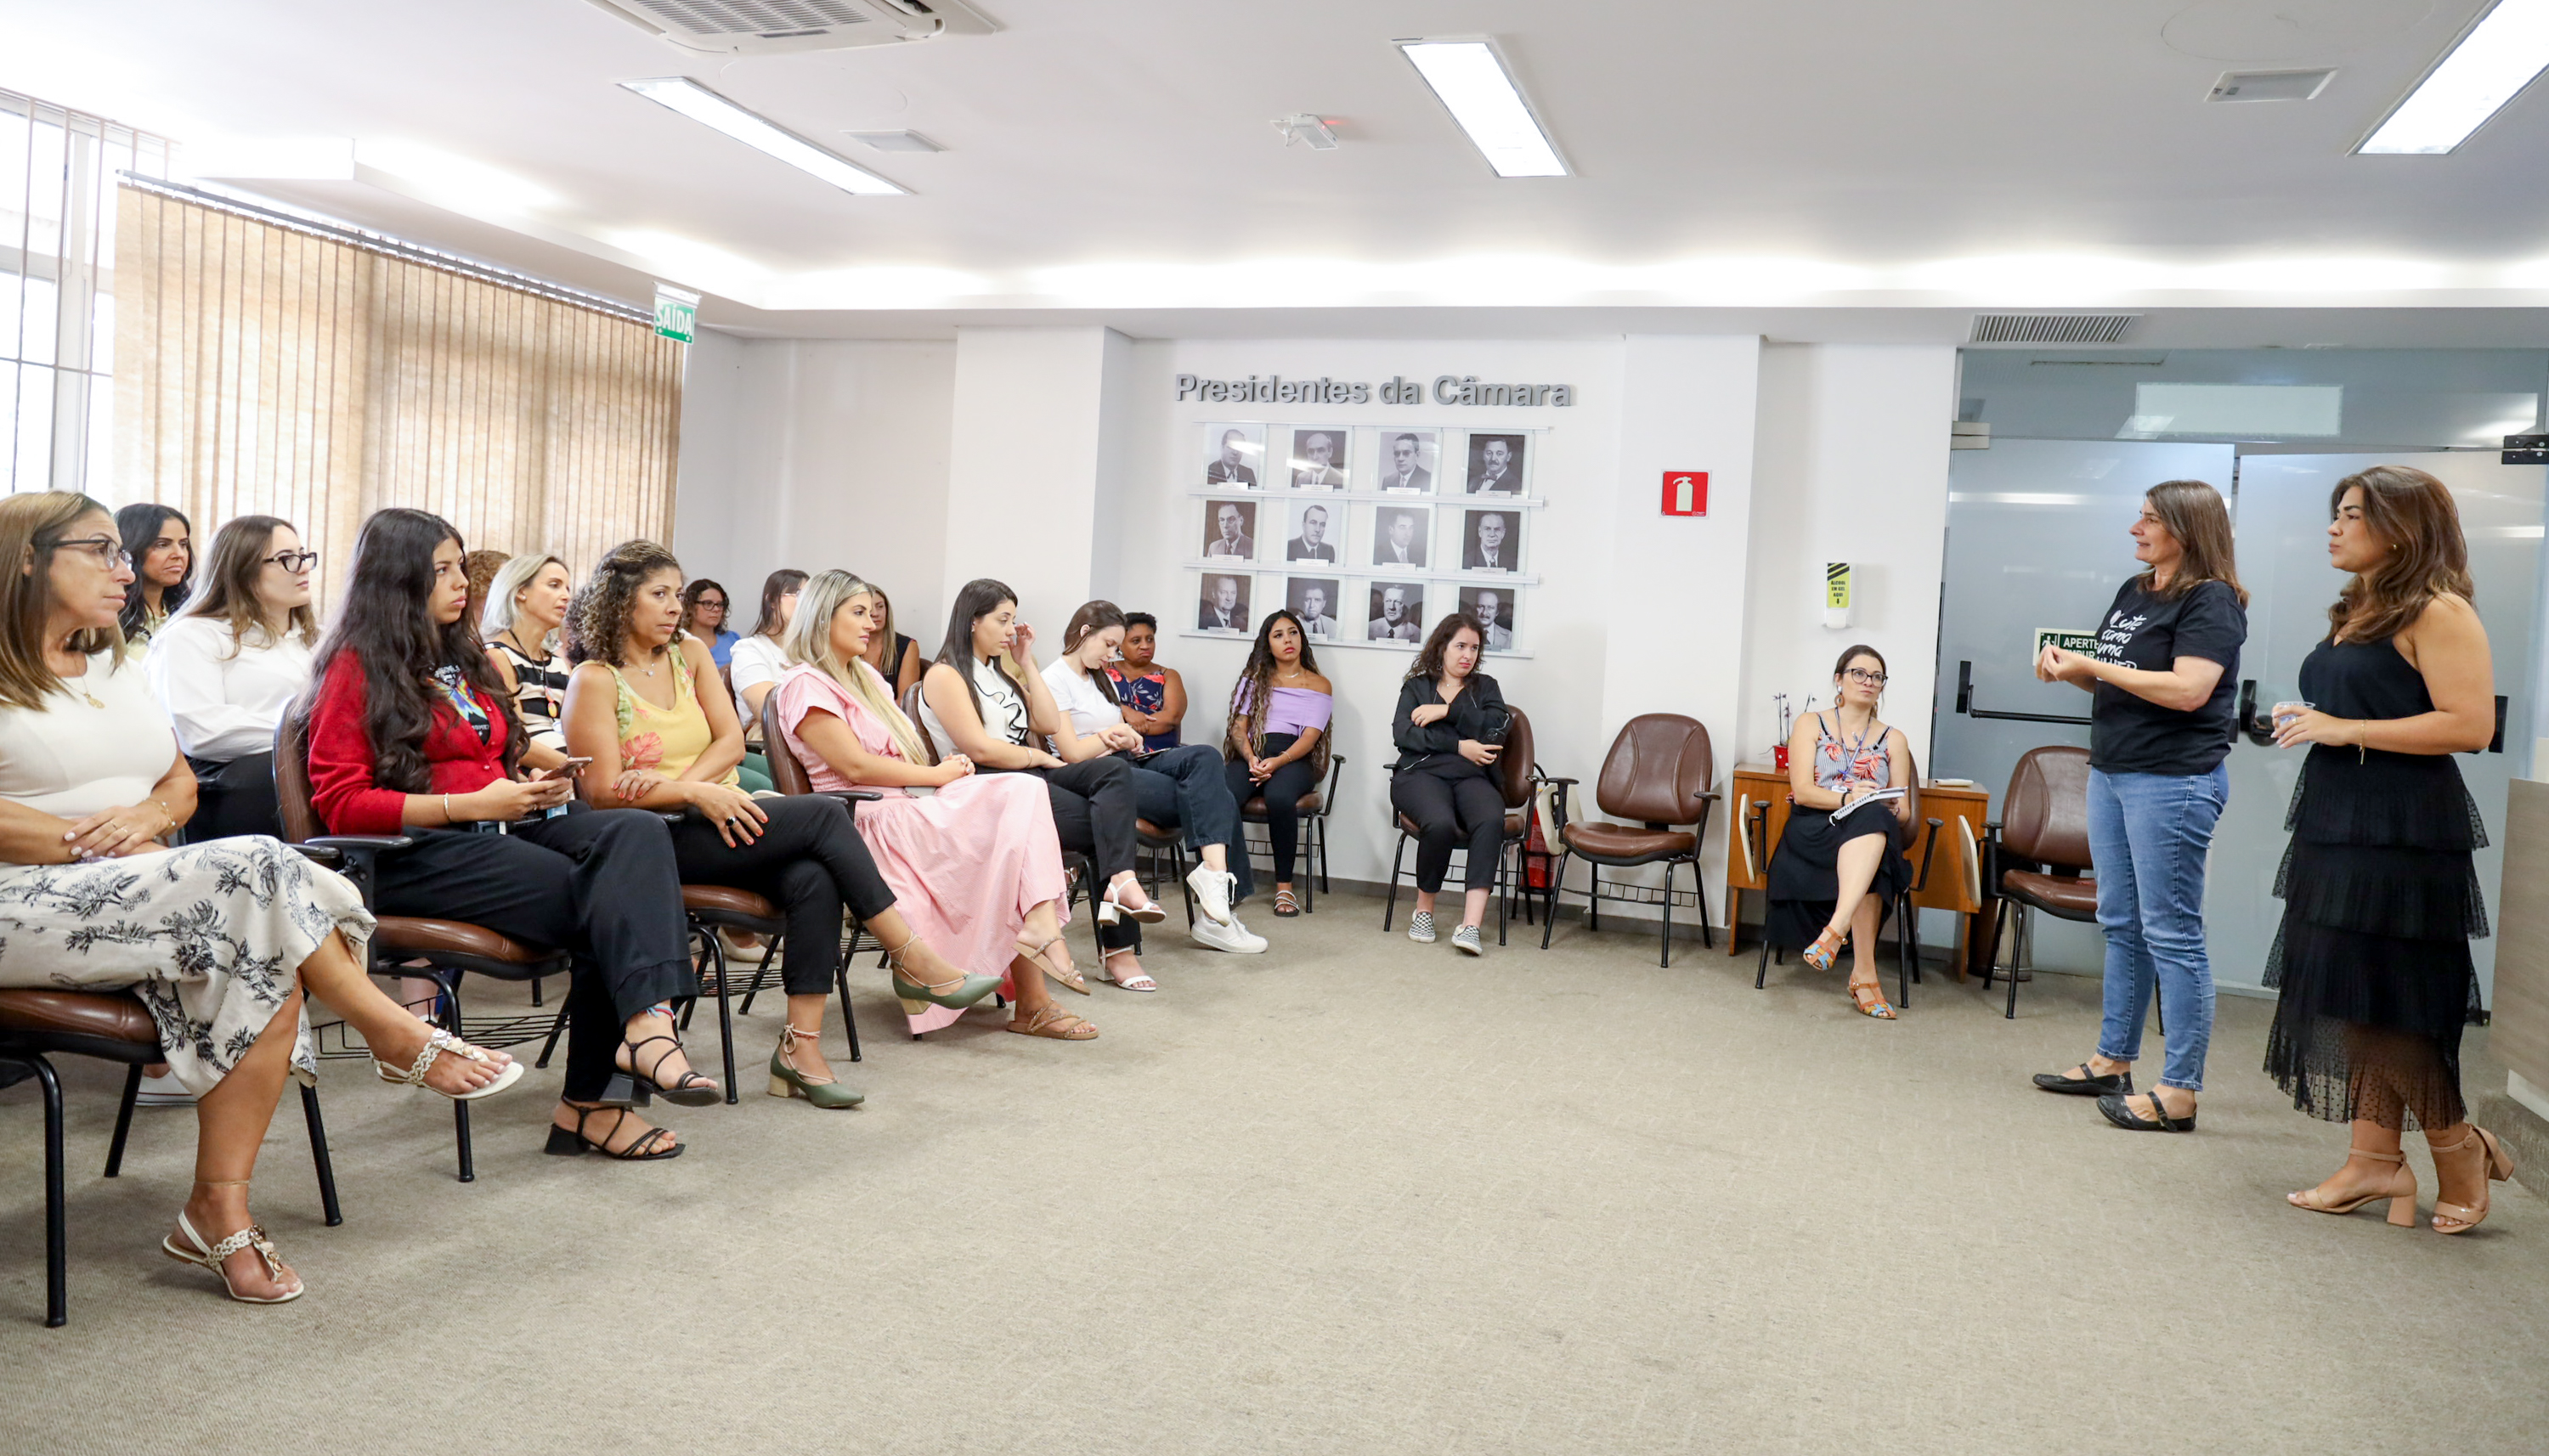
[1835, 871]
[525, 609]
[2162, 683]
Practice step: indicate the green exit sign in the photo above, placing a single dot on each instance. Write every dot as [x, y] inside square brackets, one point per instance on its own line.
[677, 313]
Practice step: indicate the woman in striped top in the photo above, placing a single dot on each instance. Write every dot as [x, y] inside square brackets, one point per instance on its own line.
[525, 605]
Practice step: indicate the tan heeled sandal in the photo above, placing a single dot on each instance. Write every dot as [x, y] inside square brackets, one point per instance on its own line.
[2402, 1191]
[1062, 976]
[1055, 1023]
[2498, 1165]
[205, 1254]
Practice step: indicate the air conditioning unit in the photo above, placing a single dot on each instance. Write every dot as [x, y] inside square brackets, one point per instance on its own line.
[768, 27]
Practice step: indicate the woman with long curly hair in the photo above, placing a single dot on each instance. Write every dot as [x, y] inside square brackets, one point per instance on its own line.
[1276, 744]
[645, 705]
[413, 734]
[2380, 895]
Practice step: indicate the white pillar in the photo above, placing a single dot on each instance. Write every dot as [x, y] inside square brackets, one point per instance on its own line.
[1035, 438]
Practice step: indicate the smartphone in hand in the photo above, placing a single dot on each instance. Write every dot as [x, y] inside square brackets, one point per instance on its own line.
[567, 770]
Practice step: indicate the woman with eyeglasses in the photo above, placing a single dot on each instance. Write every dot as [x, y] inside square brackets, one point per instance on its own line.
[2160, 719]
[1839, 862]
[222, 941]
[161, 542]
[703, 614]
[226, 667]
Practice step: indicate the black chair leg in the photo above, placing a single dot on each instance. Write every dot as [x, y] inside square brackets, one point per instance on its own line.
[58, 1238]
[1664, 960]
[1389, 907]
[460, 1110]
[849, 1023]
[133, 1089]
[557, 1029]
[2016, 939]
[1707, 938]
[535, 990]
[1548, 922]
[1592, 894]
[1903, 913]
[1761, 968]
[726, 1014]
[1504, 891]
[1320, 824]
[318, 1158]
[1991, 946]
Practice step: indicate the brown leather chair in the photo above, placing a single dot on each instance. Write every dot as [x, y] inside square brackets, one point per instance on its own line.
[1517, 777]
[1657, 774]
[36, 1025]
[1907, 915]
[2044, 822]
[441, 950]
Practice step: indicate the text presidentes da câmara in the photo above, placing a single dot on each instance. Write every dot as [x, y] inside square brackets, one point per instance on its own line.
[1449, 389]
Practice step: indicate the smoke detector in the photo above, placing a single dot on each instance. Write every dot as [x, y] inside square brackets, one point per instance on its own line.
[1317, 133]
[767, 27]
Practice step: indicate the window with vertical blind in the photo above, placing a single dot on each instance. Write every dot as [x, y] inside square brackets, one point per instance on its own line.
[269, 366]
[58, 172]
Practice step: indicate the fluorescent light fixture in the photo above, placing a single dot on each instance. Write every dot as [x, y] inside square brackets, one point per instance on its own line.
[2489, 66]
[1470, 78]
[708, 109]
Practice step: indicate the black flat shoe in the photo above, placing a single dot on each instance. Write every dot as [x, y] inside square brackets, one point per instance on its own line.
[2112, 1104]
[2118, 1083]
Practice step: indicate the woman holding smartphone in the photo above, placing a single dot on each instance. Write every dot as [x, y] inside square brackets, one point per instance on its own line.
[2161, 725]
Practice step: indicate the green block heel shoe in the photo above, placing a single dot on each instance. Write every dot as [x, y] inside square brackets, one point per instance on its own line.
[957, 995]
[786, 1082]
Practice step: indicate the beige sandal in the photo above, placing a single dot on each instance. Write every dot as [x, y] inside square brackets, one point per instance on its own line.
[1055, 1023]
[1066, 977]
[209, 1255]
[2402, 1191]
[2493, 1162]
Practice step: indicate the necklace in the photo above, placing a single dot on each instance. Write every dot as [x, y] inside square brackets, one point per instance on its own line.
[659, 658]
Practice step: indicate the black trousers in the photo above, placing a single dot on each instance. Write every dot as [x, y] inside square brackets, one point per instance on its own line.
[1283, 793]
[599, 883]
[232, 797]
[1447, 811]
[1095, 804]
[811, 860]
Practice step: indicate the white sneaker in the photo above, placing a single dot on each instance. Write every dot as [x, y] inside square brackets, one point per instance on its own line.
[1466, 941]
[1234, 938]
[1420, 927]
[164, 1091]
[1212, 891]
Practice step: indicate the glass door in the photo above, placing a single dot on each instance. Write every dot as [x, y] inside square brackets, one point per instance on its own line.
[2281, 517]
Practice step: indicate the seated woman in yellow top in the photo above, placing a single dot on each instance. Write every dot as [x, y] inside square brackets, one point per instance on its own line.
[646, 706]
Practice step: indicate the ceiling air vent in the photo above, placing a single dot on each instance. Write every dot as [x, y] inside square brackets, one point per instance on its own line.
[760, 26]
[2051, 328]
[2270, 85]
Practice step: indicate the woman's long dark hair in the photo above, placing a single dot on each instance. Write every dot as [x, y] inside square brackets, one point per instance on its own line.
[384, 624]
[1256, 683]
[773, 587]
[139, 525]
[1437, 643]
[981, 597]
[2428, 554]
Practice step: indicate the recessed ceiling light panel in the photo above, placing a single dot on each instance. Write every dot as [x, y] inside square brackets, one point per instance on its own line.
[1472, 81]
[2491, 65]
[2270, 85]
[708, 109]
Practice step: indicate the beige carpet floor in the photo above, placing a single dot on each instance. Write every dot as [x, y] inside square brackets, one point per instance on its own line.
[1353, 1196]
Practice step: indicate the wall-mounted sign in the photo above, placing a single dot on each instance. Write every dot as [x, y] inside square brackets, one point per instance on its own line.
[677, 313]
[2083, 643]
[1446, 388]
[1835, 594]
[1686, 492]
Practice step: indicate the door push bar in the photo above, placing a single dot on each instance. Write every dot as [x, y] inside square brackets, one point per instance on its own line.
[1965, 704]
[2261, 731]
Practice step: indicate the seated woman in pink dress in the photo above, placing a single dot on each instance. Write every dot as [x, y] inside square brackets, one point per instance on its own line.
[973, 862]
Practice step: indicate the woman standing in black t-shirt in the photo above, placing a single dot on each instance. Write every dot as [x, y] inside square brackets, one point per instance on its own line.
[2160, 727]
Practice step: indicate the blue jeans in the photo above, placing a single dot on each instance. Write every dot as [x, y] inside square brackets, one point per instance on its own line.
[2148, 834]
[1184, 788]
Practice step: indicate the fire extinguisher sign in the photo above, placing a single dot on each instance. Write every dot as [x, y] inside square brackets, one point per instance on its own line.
[1686, 492]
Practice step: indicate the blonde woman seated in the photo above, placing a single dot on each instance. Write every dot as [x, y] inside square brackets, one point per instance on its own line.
[973, 859]
[646, 706]
[221, 941]
[525, 607]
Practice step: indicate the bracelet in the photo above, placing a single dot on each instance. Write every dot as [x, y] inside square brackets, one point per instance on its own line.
[446, 811]
[2362, 733]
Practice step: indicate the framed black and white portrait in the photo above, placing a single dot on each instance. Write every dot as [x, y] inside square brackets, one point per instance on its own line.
[1492, 540]
[1496, 465]
[1317, 459]
[1229, 531]
[1222, 604]
[1404, 461]
[1318, 532]
[1401, 534]
[1492, 608]
[1234, 456]
[1315, 600]
[1397, 611]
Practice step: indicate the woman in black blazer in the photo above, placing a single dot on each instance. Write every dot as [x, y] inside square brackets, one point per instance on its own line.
[1450, 726]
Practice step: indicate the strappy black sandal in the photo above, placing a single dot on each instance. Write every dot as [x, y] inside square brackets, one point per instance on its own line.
[571, 1143]
[693, 1090]
[2088, 1084]
[2112, 1104]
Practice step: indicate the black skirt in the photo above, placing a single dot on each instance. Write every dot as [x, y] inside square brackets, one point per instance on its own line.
[1804, 885]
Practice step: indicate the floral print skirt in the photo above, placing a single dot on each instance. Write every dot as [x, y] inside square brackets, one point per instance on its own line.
[210, 936]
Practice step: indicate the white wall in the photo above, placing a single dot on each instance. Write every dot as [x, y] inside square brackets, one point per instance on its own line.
[1056, 459]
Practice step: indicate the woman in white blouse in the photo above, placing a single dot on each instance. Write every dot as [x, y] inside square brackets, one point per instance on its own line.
[226, 667]
[222, 941]
[755, 663]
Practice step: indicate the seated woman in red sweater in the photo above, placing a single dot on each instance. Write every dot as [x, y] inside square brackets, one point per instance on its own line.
[411, 734]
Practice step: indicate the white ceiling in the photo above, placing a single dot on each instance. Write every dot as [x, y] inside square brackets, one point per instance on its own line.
[1814, 168]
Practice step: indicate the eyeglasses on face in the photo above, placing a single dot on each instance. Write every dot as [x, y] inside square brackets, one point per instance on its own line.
[294, 561]
[107, 550]
[1863, 674]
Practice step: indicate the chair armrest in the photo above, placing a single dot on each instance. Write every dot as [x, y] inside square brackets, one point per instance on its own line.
[355, 856]
[1929, 856]
[852, 796]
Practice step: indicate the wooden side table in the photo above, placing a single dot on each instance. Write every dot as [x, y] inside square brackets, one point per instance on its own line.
[1956, 885]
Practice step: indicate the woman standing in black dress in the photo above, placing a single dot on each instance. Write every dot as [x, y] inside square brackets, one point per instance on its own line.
[2379, 898]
